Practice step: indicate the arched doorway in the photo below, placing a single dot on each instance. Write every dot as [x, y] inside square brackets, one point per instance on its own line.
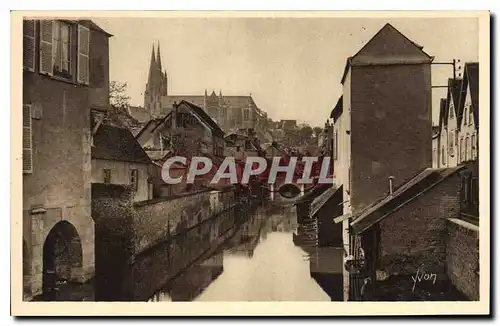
[62, 251]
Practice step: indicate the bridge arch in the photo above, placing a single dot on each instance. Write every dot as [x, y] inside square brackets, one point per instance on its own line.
[289, 190]
[62, 252]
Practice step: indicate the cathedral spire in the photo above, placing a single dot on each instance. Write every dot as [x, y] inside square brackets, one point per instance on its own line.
[152, 65]
[158, 57]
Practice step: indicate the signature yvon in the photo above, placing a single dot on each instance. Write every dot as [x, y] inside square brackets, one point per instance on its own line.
[423, 276]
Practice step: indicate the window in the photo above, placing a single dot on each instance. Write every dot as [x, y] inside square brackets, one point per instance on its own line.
[473, 147]
[83, 54]
[451, 112]
[467, 148]
[29, 45]
[451, 143]
[61, 49]
[107, 176]
[465, 115]
[246, 115]
[462, 150]
[27, 140]
[471, 117]
[443, 156]
[134, 179]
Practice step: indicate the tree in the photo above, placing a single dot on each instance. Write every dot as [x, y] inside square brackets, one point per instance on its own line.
[317, 131]
[306, 132]
[117, 96]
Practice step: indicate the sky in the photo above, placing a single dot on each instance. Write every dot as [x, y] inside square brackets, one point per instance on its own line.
[292, 67]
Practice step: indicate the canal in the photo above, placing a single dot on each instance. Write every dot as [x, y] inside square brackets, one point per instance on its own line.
[271, 256]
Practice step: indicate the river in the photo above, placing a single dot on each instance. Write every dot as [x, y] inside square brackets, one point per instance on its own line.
[270, 257]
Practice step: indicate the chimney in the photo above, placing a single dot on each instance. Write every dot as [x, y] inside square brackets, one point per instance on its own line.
[391, 178]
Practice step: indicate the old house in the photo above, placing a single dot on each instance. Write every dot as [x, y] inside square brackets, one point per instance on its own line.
[65, 74]
[469, 141]
[449, 123]
[386, 89]
[187, 130]
[117, 158]
[406, 231]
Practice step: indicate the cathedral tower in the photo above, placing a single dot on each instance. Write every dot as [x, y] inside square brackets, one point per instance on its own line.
[157, 85]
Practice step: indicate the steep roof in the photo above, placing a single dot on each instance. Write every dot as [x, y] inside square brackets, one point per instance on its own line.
[387, 47]
[90, 24]
[117, 144]
[139, 113]
[322, 199]
[337, 110]
[471, 74]
[203, 116]
[415, 187]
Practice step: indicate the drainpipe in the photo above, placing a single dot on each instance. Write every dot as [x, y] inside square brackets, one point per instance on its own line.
[390, 184]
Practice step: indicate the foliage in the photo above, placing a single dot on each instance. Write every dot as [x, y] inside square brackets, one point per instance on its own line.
[117, 95]
[306, 132]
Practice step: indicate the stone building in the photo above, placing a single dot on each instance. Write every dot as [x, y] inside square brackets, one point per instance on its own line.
[229, 112]
[62, 80]
[117, 158]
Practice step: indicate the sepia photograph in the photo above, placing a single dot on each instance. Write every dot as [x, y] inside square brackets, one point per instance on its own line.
[250, 157]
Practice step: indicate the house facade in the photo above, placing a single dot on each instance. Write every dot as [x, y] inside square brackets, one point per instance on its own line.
[65, 74]
[459, 134]
[386, 89]
[117, 158]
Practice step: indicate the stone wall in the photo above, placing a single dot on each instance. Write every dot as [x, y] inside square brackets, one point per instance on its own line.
[127, 232]
[462, 256]
[414, 236]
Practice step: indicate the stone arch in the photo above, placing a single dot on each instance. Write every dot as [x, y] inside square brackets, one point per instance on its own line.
[62, 252]
[289, 190]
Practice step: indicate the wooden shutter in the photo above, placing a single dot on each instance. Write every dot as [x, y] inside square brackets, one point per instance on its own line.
[27, 140]
[29, 45]
[46, 60]
[83, 54]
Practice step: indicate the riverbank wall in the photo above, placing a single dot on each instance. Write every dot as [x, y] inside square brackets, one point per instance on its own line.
[126, 231]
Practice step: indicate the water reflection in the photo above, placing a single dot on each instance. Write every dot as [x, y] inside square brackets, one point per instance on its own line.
[270, 256]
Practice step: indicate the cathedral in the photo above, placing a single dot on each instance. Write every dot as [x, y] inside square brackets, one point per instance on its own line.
[229, 112]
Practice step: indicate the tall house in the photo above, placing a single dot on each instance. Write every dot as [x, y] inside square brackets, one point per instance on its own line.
[65, 75]
[382, 123]
[449, 123]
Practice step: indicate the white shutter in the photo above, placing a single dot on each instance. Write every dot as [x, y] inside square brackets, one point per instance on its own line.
[29, 45]
[46, 60]
[83, 54]
[27, 140]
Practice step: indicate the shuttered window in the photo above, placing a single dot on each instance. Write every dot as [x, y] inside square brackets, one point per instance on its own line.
[29, 45]
[27, 140]
[83, 54]
[46, 57]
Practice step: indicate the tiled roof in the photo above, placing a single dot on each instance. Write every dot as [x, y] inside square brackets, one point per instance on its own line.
[139, 113]
[203, 116]
[322, 199]
[337, 110]
[118, 144]
[408, 51]
[421, 183]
